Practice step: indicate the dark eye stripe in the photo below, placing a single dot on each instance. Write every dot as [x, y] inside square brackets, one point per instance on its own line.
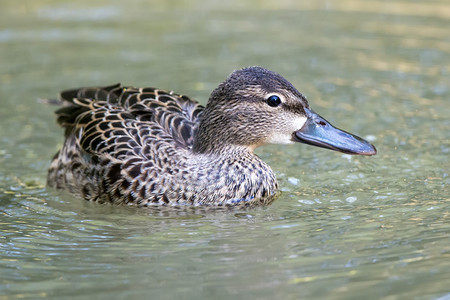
[274, 101]
[297, 108]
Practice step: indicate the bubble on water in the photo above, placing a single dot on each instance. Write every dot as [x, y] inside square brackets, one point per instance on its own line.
[371, 138]
[440, 89]
[309, 202]
[351, 199]
[335, 200]
[347, 156]
[293, 180]
[284, 226]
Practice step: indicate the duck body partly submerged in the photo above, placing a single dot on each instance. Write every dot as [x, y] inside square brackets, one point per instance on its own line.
[145, 146]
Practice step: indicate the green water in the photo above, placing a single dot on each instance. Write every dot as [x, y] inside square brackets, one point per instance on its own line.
[343, 228]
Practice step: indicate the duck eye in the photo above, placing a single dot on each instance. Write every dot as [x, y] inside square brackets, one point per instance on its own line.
[274, 101]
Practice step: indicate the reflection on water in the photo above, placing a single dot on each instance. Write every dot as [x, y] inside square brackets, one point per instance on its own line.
[344, 227]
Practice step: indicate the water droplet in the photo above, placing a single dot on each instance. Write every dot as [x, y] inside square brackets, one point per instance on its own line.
[351, 199]
[293, 180]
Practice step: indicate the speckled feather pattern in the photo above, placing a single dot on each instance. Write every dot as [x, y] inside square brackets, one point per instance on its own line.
[135, 146]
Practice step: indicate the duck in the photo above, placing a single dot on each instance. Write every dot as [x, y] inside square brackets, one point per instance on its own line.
[153, 147]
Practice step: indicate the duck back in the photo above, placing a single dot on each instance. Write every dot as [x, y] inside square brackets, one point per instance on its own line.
[120, 139]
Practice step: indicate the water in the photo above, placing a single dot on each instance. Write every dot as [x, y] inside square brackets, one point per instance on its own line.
[344, 227]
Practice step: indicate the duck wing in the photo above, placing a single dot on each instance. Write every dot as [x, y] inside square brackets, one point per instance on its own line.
[116, 119]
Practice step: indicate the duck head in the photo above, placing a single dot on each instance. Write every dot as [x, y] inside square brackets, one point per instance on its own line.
[255, 106]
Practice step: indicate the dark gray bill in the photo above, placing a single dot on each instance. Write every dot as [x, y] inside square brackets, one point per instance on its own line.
[318, 132]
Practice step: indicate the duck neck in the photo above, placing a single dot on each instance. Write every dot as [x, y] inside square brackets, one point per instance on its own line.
[218, 132]
[212, 139]
[225, 164]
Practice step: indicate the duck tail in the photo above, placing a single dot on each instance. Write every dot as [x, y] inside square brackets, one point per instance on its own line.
[75, 102]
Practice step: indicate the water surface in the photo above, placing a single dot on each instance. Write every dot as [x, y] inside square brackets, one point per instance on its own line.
[344, 227]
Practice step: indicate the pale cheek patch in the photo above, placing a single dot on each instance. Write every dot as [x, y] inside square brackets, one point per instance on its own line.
[283, 134]
[299, 122]
[278, 138]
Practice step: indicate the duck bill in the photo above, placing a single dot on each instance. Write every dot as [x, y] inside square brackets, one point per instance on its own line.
[319, 132]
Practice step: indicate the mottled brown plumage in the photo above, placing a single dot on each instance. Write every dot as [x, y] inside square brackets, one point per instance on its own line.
[145, 146]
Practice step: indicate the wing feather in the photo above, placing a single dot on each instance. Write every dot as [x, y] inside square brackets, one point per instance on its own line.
[121, 121]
